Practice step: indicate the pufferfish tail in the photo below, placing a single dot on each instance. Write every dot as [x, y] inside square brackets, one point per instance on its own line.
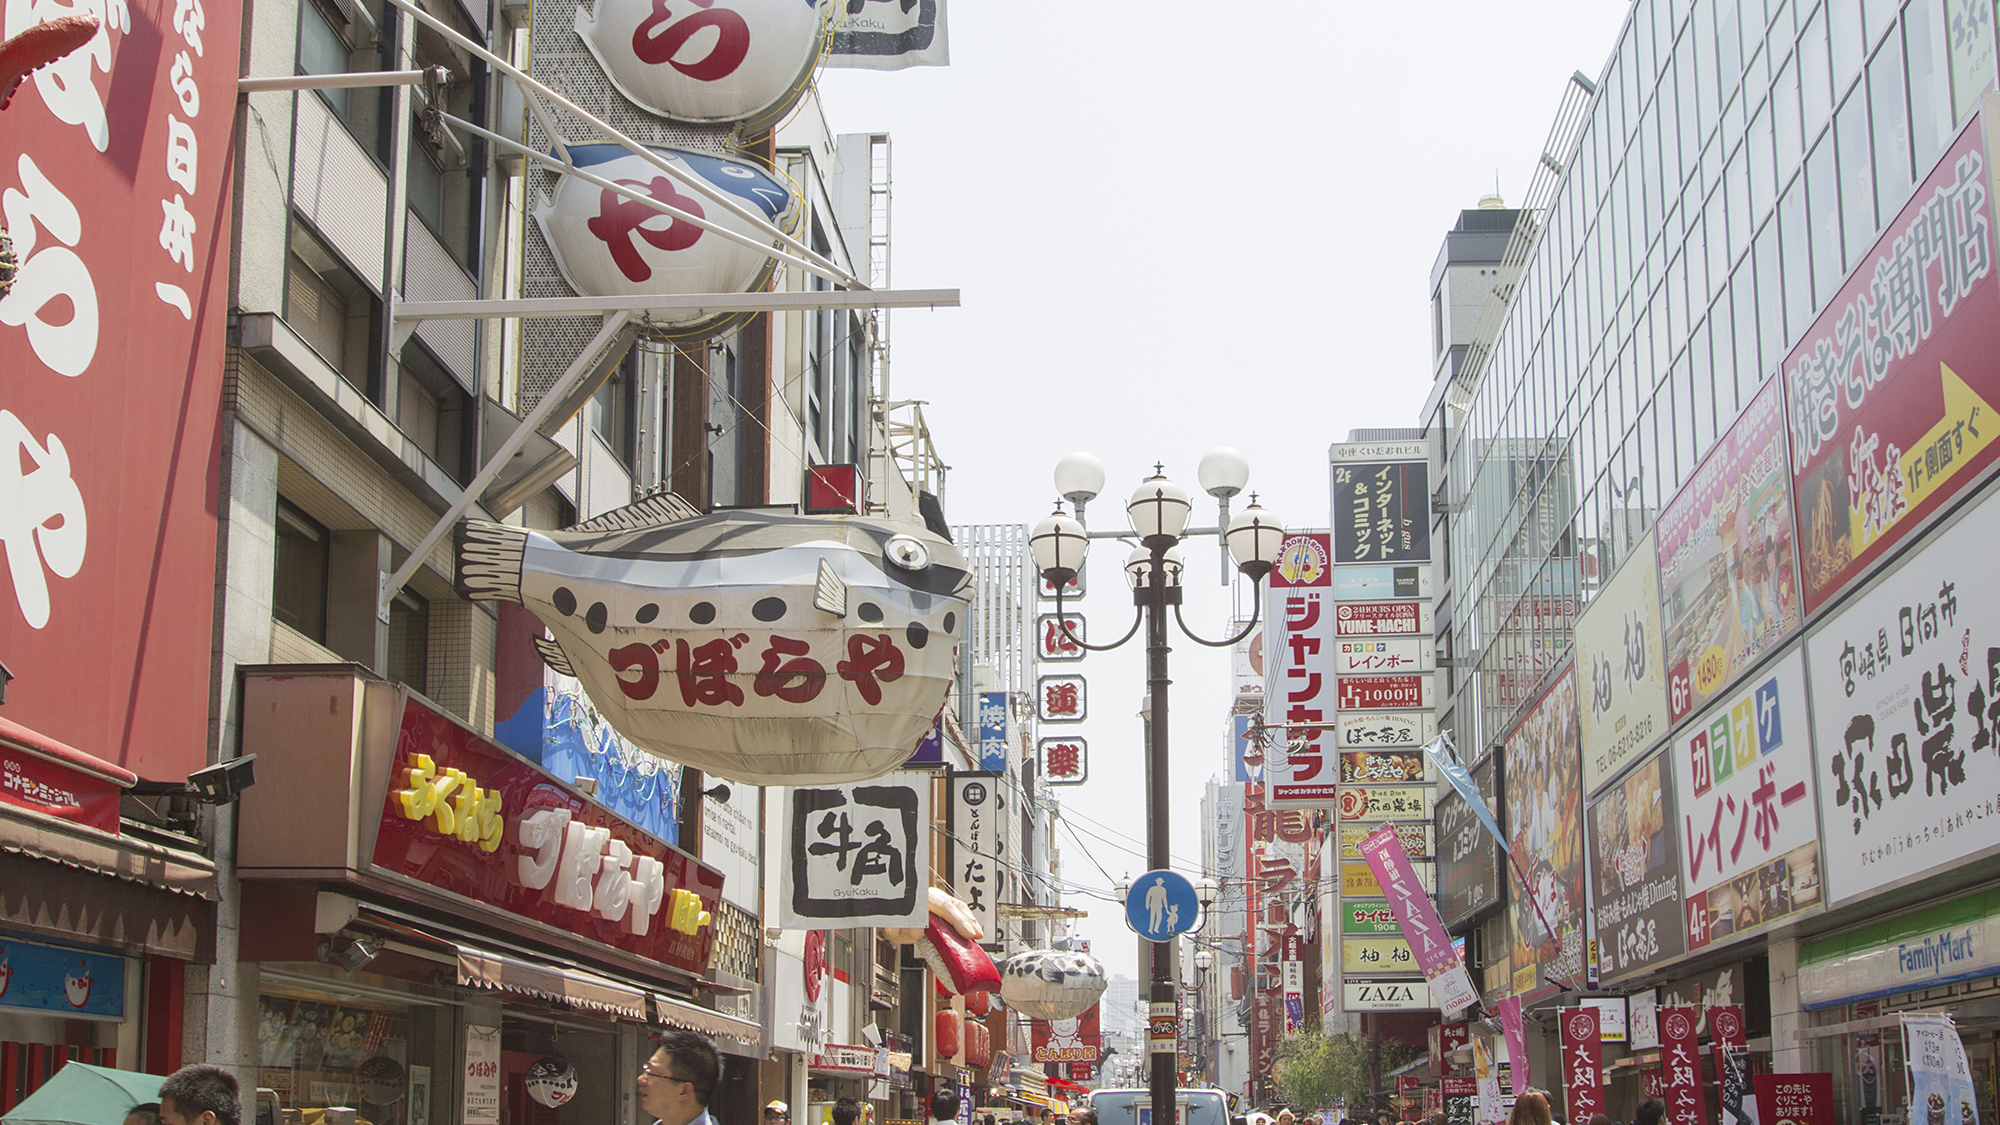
[488, 559]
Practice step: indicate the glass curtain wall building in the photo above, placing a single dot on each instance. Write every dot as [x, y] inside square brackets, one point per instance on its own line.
[1738, 160]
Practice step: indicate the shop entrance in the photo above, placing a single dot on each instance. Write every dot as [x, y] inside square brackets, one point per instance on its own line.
[520, 1108]
[591, 1056]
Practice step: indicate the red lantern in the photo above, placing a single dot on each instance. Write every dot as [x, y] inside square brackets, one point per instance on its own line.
[947, 1034]
[979, 1003]
[978, 1045]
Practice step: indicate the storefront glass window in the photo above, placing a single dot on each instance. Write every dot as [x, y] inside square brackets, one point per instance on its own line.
[318, 1051]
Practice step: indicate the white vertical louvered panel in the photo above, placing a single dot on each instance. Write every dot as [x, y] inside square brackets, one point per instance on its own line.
[338, 188]
[431, 274]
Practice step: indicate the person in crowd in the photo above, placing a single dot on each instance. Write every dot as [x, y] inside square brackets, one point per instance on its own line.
[1083, 1116]
[145, 1113]
[200, 1094]
[1600, 1119]
[676, 1084]
[1531, 1108]
[944, 1106]
[777, 1113]
[1436, 1119]
[846, 1111]
[1650, 1112]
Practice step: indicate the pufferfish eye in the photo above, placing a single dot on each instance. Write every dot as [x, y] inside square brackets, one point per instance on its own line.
[905, 553]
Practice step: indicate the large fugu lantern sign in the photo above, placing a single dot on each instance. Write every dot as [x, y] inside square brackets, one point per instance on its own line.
[707, 61]
[766, 649]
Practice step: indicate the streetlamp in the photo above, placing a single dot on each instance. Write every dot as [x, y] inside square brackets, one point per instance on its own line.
[1159, 511]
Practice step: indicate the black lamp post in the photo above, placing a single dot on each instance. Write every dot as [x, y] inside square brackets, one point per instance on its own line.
[1159, 510]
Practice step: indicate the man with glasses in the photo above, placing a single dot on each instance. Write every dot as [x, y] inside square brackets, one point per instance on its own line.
[677, 1082]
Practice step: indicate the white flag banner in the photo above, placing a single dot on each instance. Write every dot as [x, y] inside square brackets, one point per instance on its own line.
[890, 35]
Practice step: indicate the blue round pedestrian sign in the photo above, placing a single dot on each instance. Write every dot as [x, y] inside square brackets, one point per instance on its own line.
[1161, 904]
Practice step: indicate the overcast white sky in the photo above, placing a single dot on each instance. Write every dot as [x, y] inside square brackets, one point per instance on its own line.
[1180, 225]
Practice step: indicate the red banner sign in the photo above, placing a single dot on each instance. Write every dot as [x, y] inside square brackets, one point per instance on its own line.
[1891, 392]
[1374, 693]
[466, 817]
[1680, 1061]
[1583, 1064]
[1078, 1040]
[1795, 1099]
[1444, 1039]
[34, 782]
[115, 165]
[1378, 619]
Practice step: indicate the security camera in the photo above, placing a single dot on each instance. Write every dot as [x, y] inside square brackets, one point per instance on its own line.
[223, 782]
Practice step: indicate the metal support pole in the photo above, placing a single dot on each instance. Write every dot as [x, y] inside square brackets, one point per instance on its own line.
[1163, 1084]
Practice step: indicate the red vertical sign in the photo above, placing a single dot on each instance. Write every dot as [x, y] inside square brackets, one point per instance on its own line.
[1681, 1060]
[1731, 1045]
[1583, 1064]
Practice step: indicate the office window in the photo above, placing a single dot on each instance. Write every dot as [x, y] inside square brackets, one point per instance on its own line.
[1926, 52]
[613, 410]
[1849, 42]
[1786, 134]
[1823, 222]
[432, 409]
[1771, 328]
[1815, 76]
[330, 308]
[330, 42]
[410, 640]
[299, 586]
[1796, 248]
[1890, 114]
[1857, 177]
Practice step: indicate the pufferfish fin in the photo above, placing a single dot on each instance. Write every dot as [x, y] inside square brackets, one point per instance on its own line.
[653, 511]
[830, 593]
[487, 560]
[554, 657]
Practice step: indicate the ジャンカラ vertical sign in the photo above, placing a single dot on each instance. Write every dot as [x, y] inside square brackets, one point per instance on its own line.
[1299, 676]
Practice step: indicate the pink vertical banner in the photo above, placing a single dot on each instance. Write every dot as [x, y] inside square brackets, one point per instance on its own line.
[1429, 943]
[1517, 1042]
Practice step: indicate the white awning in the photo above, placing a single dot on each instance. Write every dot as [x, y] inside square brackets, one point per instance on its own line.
[571, 986]
[708, 1021]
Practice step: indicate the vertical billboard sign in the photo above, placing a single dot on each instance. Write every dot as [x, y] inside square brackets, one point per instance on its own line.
[1468, 856]
[993, 731]
[1891, 392]
[115, 165]
[1299, 682]
[1680, 1063]
[1545, 835]
[1583, 1063]
[1622, 682]
[976, 822]
[1728, 587]
[1636, 899]
[1906, 710]
[1382, 509]
[1743, 790]
[1730, 1046]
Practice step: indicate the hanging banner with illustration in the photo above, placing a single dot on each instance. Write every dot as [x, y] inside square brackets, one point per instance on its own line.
[1429, 942]
[1941, 1087]
[1299, 675]
[1622, 685]
[1728, 587]
[1906, 706]
[1545, 836]
[1636, 871]
[891, 35]
[1743, 789]
[1891, 392]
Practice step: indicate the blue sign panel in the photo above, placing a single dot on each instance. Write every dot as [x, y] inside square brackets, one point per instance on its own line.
[1160, 905]
[993, 731]
[930, 752]
[69, 982]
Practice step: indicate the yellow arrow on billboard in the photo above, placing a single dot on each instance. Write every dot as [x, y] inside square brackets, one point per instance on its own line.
[1930, 464]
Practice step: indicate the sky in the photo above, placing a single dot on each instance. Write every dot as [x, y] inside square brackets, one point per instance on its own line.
[1177, 226]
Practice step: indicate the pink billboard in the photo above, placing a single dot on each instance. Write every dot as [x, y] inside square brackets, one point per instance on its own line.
[1890, 395]
[1429, 941]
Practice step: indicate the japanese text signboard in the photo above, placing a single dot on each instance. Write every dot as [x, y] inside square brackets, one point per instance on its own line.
[1941, 1080]
[1429, 942]
[1061, 636]
[1743, 789]
[1062, 699]
[1381, 512]
[1635, 866]
[992, 730]
[1468, 856]
[464, 818]
[1078, 1039]
[859, 854]
[1545, 835]
[1378, 655]
[57, 789]
[1299, 674]
[1383, 802]
[976, 823]
[1358, 730]
[115, 167]
[1728, 592]
[1622, 680]
[1416, 840]
[1582, 1063]
[1382, 619]
[1065, 761]
[1794, 1099]
[1680, 1062]
[1906, 707]
[1378, 767]
[1890, 393]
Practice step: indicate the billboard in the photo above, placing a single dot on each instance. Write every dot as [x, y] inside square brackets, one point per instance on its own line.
[1728, 591]
[1416, 840]
[1622, 688]
[1383, 619]
[1635, 872]
[1074, 1040]
[1299, 677]
[1381, 512]
[1889, 391]
[1373, 767]
[1906, 714]
[1362, 730]
[118, 200]
[1545, 834]
[1468, 856]
[1743, 789]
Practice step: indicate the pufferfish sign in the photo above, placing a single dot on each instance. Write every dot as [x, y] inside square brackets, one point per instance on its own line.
[766, 649]
[705, 61]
